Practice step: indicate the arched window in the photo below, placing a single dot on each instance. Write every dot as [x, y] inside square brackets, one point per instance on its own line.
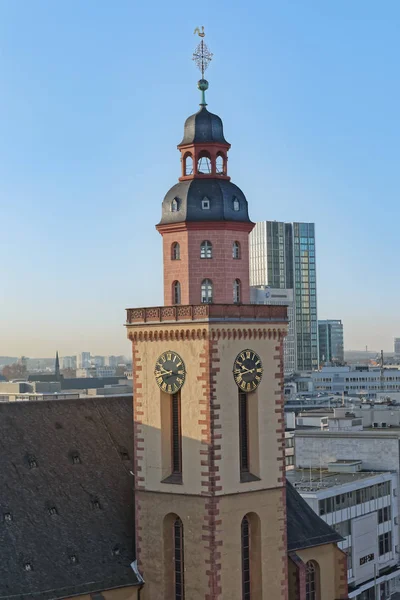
[175, 251]
[174, 562]
[220, 164]
[179, 582]
[206, 249]
[176, 292]
[204, 163]
[175, 205]
[252, 586]
[235, 204]
[237, 291]
[312, 581]
[206, 291]
[236, 250]
[245, 539]
[188, 164]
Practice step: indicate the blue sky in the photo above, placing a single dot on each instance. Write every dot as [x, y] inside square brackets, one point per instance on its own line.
[93, 99]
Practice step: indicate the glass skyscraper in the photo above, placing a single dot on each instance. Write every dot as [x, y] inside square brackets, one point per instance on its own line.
[331, 349]
[282, 255]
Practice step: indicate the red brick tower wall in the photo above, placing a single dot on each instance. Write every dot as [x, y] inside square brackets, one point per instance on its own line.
[191, 269]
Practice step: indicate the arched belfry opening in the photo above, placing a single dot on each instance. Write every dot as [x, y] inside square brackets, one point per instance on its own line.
[204, 163]
[220, 164]
[188, 164]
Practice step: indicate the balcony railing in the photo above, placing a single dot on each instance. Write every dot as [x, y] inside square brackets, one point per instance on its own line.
[207, 312]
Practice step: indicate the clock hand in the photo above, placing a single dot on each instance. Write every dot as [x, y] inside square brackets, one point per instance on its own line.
[165, 372]
[247, 371]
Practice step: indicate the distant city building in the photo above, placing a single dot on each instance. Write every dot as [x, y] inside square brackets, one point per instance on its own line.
[27, 387]
[83, 360]
[98, 361]
[68, 362]
[397, 347]
[85, 373]
[282, 255]
[114, 361]
[369, 382]
[331, 348]
[105, 371]
[268, 295]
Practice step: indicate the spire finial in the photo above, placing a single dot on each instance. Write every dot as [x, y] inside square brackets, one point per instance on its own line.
[202, 57]
[57, 367]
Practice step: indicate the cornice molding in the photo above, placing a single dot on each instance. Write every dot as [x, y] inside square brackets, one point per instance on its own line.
[213, 333]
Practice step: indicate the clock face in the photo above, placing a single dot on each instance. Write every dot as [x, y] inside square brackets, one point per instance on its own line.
[247, 370]
[170, 372]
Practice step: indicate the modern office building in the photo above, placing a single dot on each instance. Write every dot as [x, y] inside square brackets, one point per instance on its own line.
[83, 360]
[397, 346]
[331, 349]
[282, 255]
[68, 362]
[363, 509]
[368, 382]
[266, 295]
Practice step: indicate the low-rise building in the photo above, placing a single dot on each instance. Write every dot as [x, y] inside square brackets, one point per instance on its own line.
[368, 382]
[363, 508]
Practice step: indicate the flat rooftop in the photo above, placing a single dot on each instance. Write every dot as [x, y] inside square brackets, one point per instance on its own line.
[318, 480]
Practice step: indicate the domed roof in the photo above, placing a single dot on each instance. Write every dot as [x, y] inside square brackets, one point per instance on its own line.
[184, 202]
[203, 127]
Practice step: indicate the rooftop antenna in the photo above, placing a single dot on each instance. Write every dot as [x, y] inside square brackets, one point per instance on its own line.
[202, 57]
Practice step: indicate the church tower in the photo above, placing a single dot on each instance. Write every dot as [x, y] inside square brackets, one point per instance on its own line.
[208, 404]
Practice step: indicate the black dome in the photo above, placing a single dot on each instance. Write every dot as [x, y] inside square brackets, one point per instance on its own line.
[203, 127]
[189, 195]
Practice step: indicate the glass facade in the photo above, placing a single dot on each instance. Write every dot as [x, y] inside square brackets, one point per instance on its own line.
[331, 348]
[305, 288]
[282, 255]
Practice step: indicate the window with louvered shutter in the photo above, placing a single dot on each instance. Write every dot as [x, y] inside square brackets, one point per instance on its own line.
[243, 433]
[245, 535]
[176, 437]
[178, 560]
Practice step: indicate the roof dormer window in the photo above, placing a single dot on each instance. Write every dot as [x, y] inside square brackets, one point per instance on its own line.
[95, 504]
[235, 204]
[175, 205]
[32, 462]
[205, 204]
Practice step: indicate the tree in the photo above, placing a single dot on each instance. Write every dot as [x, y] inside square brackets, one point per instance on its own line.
[15, 371]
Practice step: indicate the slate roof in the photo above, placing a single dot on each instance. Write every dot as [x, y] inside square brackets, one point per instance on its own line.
[203, 127]
[220, 192]
[305, 528]
[66, 497]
